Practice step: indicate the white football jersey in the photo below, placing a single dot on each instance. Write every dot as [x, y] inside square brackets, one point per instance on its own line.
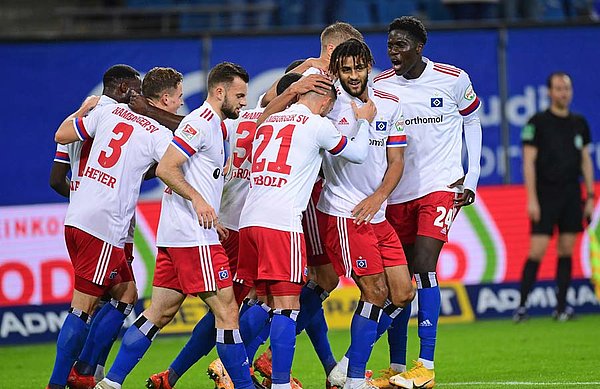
[433, 106]
[237, 183]
[286, 156]
[125, 146]
[200, 137]
[347, 183]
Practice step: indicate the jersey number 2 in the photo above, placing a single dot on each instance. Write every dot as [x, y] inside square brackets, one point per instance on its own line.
[280, 164]
[447, 214]
[108, 161]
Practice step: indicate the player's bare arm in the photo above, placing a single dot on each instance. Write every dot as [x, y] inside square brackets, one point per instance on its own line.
[533, 204]
[311, 83]
[66, 133]
[169, 170]
[59, 180]
[368, 207]
[139, 104]
[587, 170]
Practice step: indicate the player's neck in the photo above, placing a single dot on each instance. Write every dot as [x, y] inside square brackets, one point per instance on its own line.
[216, 106]
[310, 104]
[416, 70]
[562, 112]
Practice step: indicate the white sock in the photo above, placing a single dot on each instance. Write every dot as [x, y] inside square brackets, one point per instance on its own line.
[398, 367]
[343, 363]
[99, 374]
[426, 363]
[114, 385]
[352, 383]
[281, 386]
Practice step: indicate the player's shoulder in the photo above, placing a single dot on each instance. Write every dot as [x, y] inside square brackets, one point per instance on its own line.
[384, 97]
[446, 70]
[386, 76]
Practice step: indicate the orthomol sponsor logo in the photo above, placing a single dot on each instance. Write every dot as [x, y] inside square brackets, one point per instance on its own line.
[421, 120]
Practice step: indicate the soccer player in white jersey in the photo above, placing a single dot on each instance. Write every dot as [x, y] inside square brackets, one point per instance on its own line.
[164, 88]
[99, 214]
[439, 103]
[190, 258]
[351, 210]
[286, 155]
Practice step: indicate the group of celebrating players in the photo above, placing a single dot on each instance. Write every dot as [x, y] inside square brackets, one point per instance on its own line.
[264, 209]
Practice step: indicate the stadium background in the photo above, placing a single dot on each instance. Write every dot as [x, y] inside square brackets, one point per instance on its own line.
[47, 75]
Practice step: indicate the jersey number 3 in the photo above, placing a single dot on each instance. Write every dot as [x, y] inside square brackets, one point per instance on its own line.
[280, 164]
[115, 145]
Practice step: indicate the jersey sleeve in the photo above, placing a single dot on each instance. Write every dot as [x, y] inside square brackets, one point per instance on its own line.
[162, 140]
[188, 138]
[62, 154]
[330, 139]
[465, 95]
[397, 135]
[85, 127]
[586, 133]
[529, 133]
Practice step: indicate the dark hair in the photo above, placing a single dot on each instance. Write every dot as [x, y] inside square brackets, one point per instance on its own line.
[225, 73]
[351, 48]
[158, 80]
[412, 25]
[555, 74]
[117, 73]
[287, 80]
[294, 65]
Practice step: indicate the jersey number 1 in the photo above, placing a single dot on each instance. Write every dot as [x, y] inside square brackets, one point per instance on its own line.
[280, 164]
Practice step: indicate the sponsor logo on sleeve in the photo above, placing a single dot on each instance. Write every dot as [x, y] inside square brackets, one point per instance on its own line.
[437, 102]
[528, 132]
[578, 141]
[188, 132]
[470, 93]
[399, 125]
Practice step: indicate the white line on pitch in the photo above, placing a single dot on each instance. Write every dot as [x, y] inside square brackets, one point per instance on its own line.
[515, 383]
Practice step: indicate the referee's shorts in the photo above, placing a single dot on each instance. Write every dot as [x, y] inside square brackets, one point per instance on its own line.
[560, 206]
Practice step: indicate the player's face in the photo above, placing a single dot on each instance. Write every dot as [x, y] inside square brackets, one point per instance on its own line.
[403, 50]
[354, 76]
[174, 99]
[235, 98]
[134, 85]
[561, 91]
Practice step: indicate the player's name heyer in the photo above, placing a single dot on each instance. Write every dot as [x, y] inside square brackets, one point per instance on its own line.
[287, 118]
[100, 176]
[421, 120]
[74, 185]
[142, 121]
[266, 180]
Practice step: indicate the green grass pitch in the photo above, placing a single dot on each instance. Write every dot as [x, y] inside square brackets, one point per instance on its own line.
[484, 354]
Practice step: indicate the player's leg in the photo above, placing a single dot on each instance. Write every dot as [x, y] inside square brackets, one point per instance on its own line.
[230, 346]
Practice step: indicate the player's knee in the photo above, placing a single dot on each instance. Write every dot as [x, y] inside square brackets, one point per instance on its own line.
[376, 291]
[402, 296]
[328, 281]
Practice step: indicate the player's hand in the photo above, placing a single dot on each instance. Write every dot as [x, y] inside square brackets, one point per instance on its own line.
[533, 210]
[367, 111]
[138, 103]
[207, 217]
[318, 63]
[458, 183]
[223, 232]
[366, 209]
[588, 210]
[467, 197]
[312, 83]
[89, 103]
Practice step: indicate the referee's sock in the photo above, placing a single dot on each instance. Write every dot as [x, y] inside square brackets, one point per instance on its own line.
[563, 280]
[317, 332]
[528, 279]
[68, 345]
[429, 299]
[136, 341]
[200, 344]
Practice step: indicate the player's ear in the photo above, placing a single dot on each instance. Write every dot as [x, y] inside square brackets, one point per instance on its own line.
[219, 92]
[419, 48]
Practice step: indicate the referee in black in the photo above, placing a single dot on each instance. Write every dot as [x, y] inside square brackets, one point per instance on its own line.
[555, 155]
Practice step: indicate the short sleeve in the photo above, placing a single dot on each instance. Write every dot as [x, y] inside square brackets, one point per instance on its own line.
[329, 138]
[188, 139]
[162, 140]
[397, 135]
[586, 133]
[62, 154]
[529, 133]
[85, 127]
[465, 95]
